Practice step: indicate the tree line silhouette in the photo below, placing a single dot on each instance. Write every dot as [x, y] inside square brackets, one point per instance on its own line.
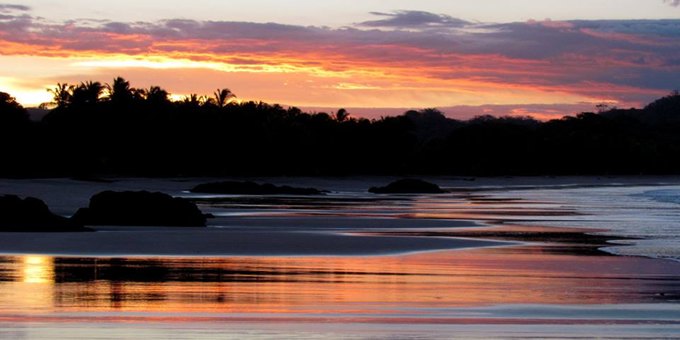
[117, 130]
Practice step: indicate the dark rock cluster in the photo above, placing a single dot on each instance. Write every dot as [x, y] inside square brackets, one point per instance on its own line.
[31, 215]
[139, 208]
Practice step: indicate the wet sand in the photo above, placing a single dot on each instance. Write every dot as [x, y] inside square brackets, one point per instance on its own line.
[141, 241]
[421, 280]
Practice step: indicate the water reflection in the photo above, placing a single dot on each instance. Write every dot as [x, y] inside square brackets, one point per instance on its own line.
[27, 283]
[37, 269]
[458, 205]
[326, 285]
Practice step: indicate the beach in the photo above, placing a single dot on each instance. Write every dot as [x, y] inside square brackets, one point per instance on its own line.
[493, 258]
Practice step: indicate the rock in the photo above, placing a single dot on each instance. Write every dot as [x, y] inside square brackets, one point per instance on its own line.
[31, 215]
[140, 208]
[408, 186]
[251, 188]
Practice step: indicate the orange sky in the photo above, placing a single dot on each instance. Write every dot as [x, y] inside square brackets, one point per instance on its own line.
[403, 59]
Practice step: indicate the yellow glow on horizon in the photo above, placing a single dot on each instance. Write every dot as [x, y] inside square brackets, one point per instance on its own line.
[306, 80]
[27, 96]
[166, 62]
[352, 86]
[177, 97]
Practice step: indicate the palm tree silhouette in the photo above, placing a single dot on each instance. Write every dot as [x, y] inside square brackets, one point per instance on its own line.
[223, 97]
[87, 93]
[62, 94]
[193, 100]
[156, 96]
[119, 92]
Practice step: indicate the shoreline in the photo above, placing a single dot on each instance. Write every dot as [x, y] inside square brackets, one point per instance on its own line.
[579, 241]
[297, 236]
[318, 226]
[558, 240]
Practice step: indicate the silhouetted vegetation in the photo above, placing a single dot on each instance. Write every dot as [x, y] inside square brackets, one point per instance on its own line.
[408, 186]
[139, 208]
[252, 188]
[31, 215]
[115, 129]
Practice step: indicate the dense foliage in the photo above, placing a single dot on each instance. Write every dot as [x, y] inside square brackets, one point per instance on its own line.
[97, 129]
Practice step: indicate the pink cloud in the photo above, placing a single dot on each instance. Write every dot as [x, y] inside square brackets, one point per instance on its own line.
[624, 60]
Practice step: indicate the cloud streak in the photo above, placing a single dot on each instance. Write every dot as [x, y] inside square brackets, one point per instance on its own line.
[627, 61]
[414, 19]
[4, 8]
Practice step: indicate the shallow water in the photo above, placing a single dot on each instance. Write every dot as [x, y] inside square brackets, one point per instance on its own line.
[649, 214]
[521, 290]
[420, 295]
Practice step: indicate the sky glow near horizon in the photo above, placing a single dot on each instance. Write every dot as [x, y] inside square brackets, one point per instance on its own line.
[546, 58]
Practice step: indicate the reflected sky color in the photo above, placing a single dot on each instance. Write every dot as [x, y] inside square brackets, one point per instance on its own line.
[331, 287]
[544, 58]
[519, 288]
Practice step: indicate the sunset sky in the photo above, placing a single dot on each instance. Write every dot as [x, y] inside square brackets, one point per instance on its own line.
[540, 57]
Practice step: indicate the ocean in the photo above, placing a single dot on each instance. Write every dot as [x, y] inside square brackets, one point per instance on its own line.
[645, 217]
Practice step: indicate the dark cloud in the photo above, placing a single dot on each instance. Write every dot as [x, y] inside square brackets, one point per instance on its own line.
[117, 27]
[654, 28]
[4, 8]
[414, 19]
[13, 16]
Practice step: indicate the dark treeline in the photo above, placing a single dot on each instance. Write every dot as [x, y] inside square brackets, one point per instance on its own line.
[101, 129]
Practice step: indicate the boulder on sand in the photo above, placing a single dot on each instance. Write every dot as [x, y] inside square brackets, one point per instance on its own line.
[31, 215]
[408, 186]
[140, 208]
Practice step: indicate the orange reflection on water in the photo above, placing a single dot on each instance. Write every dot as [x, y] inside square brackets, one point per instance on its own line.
[37, 269]
[332, 285]
[27, 283]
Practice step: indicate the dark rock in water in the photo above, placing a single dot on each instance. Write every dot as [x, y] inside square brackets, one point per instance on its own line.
[251, 188]
[31, 215]
[140, 208]
[408, 186]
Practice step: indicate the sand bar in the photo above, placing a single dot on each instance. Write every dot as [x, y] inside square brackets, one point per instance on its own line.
[127, 242]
